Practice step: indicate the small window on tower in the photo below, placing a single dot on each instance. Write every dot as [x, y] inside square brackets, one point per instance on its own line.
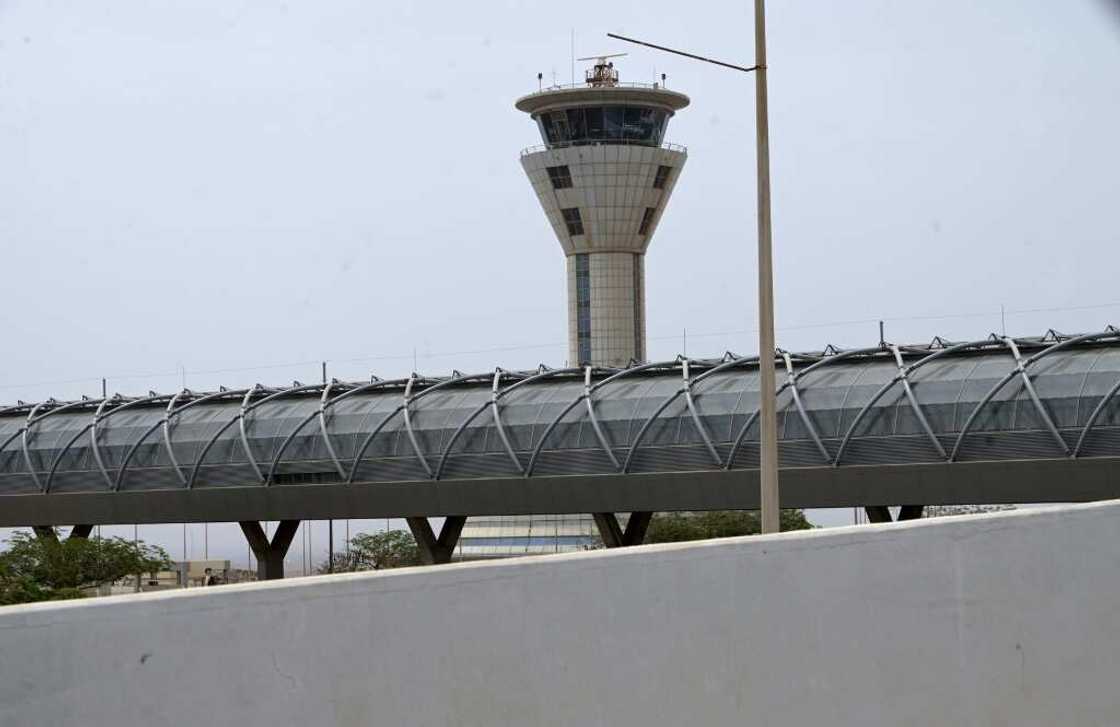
[573, 220]
[661, 178]
[561, 177]
[647, 220]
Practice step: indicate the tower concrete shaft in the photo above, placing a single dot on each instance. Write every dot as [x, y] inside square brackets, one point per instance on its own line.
[604, 177]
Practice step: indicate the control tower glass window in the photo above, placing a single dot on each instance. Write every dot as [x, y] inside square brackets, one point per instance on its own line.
[603, 124]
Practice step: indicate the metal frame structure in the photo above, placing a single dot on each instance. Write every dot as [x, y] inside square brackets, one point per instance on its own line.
[1074, 472]
[596, 380]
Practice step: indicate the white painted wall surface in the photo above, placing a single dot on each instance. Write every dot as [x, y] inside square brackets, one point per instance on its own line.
[1010, 619]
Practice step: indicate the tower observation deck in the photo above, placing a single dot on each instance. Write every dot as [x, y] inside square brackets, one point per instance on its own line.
[604, 176]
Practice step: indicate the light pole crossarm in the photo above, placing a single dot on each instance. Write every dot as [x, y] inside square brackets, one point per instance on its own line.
[732, 66]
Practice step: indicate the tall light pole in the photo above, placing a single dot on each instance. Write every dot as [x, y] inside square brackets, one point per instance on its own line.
[767, 415]
[767, 408]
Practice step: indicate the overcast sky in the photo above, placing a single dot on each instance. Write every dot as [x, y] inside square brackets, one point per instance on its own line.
[230, 192]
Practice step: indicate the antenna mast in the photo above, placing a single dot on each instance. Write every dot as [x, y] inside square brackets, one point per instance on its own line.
[603, 73]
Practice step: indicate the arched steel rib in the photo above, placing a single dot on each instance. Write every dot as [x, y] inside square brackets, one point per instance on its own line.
[455, 436]
[556, 421]
[25, 447]
[791, 378]
[244, 431]
[1092, 417]
[401, 407]
[62, 452]
[824, 361]
[902, 376]
[1081, 390]
[646, 426]
[733, 363]
[206, 449]
[77, 435]
[100, 416]
[686, 389]
[165, 424]
[688, 382]
[31, 408]
[319, 413]
[746, 427]
[603, 442]
[1020, 369]
[915, 404]
[590, 389]
[132, 451]
[493, 404]
[136, 445]
[408, 426]
[241, 414]
[322, 414]
[369, 437]
[10, 438]
[284, 445]
[495, 394]
[32, 420]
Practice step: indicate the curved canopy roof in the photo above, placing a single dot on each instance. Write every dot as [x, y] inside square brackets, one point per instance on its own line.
[556, 97]
[990, 400]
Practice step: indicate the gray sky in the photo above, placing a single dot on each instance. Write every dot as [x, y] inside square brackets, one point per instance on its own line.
[238, 190]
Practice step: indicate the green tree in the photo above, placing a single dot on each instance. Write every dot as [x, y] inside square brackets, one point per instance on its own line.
[675, 527]
[49, 569]
[377, 551]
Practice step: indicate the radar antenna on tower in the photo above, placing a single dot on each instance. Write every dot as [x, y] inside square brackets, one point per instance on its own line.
[603, 73]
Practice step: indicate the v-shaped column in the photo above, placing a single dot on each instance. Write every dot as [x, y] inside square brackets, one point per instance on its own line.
[612, 533]
[270, 554]
[47, 532]
[882, 513]
[437, 549]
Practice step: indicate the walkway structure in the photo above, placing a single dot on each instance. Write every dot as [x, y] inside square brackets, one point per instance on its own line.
[996, 420]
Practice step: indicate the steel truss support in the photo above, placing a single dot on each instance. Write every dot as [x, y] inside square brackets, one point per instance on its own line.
[270, 554]
[434, 549]
[612, 533]
[882, 513]
[47, 532]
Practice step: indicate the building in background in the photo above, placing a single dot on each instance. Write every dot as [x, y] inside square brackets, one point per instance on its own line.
[181, 574]
[603, 177]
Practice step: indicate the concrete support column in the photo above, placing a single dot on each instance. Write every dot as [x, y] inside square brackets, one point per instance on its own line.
[882, 513]
[47, 531]
[270, 554]
[612, 533]
[878, 514]
[911, 512]
[437, 549]
[606, 308]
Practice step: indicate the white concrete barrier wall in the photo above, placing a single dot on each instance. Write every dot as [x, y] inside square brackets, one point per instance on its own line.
[1009, 619]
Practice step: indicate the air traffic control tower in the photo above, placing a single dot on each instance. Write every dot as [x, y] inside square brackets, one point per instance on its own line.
[603, 177]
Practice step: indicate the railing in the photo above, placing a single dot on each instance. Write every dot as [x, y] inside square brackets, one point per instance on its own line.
[584, 84]
[602, 142]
